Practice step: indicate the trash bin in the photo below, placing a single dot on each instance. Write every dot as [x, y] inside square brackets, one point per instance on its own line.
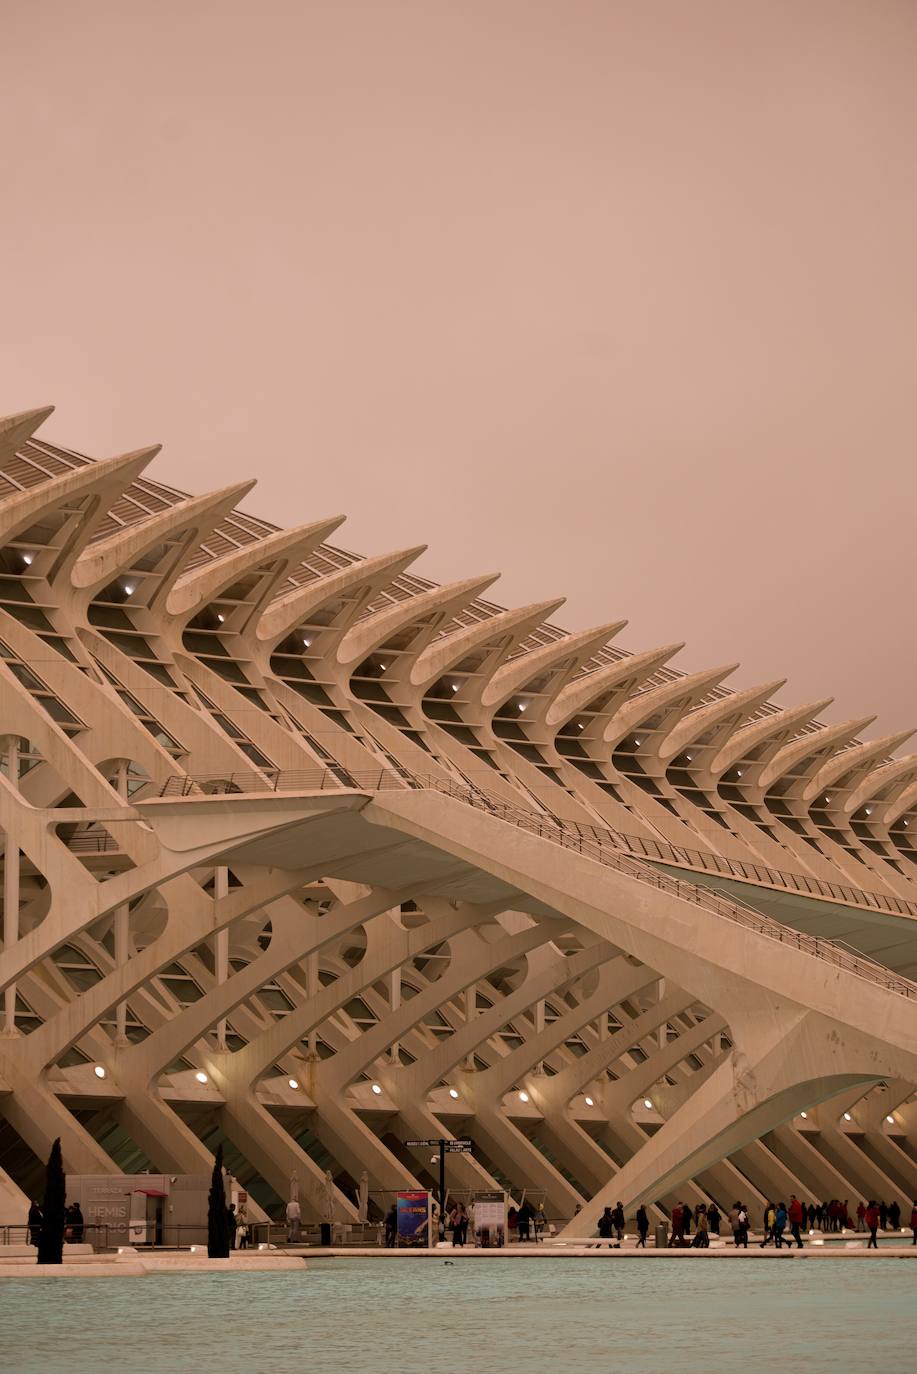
[662, 1236]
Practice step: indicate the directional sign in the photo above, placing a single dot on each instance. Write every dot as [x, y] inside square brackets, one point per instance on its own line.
[452, 1147]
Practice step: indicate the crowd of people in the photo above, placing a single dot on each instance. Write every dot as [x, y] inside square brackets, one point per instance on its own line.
[782, 1223]
[74, 1223]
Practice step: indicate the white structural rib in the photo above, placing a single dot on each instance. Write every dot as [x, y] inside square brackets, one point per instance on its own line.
[16, 430]
[180, 529]
[269, 561]
[542, 674]
[342, 595]
[428, 611]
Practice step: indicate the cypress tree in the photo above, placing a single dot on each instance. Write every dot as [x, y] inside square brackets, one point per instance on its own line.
[217, 1224]
[53, 1210]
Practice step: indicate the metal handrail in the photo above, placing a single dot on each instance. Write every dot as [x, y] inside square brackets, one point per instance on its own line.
[602, 846]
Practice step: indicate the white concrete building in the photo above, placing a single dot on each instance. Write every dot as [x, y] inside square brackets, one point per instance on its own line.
[306, 854]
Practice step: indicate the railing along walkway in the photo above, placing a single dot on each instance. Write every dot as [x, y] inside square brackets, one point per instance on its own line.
[601, 845]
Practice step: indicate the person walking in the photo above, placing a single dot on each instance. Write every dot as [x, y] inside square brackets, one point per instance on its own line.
[618, 1219]
[643, 1226]
[872, 1226]
[795, 1214]
[678, 1225]
[606, 1225]
[524, 1220]
[914, 1222]
[458, 1222]
[770, 1216]
[894, 1216]
[743, 1225]
[701, 1237]
[883, 1216]
[391, 1226]
[539, 1223]
[686, 1218]
[714, 1218]
[294, 1222]
[780, 1221]
[733, 1219]
[232, 1223]
[861, 1215]
[36, 1218]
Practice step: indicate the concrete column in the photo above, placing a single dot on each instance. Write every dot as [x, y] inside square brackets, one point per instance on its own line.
[11, 889]
[121, 925]
[221, 946]
[539, 1027]
[312, 990]
[471, 1011]
[395, 982]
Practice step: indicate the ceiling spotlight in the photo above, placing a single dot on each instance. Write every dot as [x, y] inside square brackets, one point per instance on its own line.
[847, 1116]
[306, 642]
[738, 772]
[636, 743]
[27, 559]
[294, 1084]
[869, 810]
[128, 589]
[589, 1102]
[376, 1089]
[523, 1096]
[453, 1092]
[890, 1120]
[581, 726]
[201, 1076]
[804, 1115]
[455, 686]
[522, 705]
[99, 1071]
[647, 1104]
[220, 618]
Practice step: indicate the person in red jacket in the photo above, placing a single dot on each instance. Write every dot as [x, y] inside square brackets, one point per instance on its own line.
[872, 1225]
[795, 1215]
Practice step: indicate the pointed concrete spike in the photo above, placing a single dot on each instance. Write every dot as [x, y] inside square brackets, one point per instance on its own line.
[15, 430]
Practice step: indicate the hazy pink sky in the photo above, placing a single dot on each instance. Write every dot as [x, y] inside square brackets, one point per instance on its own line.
[619, 298]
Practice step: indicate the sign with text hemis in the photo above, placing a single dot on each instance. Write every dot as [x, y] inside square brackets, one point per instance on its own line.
[490, 1220]
[413, 1218]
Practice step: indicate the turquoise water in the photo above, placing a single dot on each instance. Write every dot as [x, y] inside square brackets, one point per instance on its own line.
[495, 1316]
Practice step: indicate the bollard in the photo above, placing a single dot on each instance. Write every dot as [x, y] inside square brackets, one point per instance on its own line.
[662, 1236]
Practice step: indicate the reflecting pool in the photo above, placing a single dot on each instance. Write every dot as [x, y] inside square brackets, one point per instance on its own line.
[413, 1316]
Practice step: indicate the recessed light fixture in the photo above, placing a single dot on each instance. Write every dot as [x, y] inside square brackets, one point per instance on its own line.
[589, 1101]
[647, 1104]
[27, 559]
[804, 1115]
[522, 705]
[201, 1076]
[293, 1082]
[455, 686]
[220, 618]
[376, 1089]
[453, 1092]
[580, 726]
[306, 642]
[99, 1071]
[128, 589]
[890, 1120]
[847, 1116]
[523, 1096]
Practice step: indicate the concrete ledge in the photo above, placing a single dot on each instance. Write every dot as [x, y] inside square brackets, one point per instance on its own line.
[141, 1266]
